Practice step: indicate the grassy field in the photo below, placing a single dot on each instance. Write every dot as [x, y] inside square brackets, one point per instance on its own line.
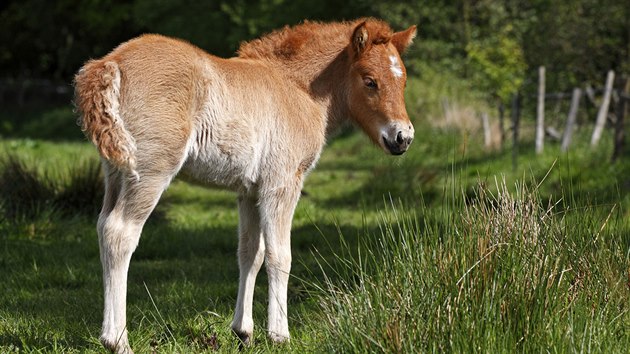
[446, 248]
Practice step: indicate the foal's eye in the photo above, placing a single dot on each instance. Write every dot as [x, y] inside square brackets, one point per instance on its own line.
[369, 82]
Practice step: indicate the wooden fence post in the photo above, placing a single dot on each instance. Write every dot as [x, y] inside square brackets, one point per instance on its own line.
[568, 129]
[501, 123]
[487, 134]
[540, 113]
[624, 102]
[603, 110]
[515, 125]
[446, 107]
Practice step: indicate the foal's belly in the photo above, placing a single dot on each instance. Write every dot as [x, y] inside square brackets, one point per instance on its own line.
[213, 168]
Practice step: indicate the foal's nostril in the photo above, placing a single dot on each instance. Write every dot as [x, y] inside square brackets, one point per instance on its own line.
[399, 138]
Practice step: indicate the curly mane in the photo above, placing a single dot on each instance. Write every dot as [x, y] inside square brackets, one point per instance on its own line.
[311, 38]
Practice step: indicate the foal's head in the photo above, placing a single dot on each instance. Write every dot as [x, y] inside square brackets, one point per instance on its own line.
[377, 82]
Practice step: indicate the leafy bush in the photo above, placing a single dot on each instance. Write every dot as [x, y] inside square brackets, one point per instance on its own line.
[497, 63]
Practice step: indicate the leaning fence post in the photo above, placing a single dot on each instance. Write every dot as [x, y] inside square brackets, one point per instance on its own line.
[501, 123]
[515, 123]
[540, 113]
[568, 129]
[603, 110]
[624, 102]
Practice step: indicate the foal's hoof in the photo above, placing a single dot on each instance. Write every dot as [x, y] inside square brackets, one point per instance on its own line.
[279, 338]
[244, 337]
[118, 347]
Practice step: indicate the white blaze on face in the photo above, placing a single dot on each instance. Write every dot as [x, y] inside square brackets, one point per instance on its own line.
[395, 66]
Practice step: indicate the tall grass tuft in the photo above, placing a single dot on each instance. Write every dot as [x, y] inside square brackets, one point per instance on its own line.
[502, 273]
[82, 188]
[24, 192]
[28, 193]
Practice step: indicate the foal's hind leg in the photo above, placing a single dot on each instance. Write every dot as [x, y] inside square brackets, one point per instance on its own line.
[251, 248]
[126, 207]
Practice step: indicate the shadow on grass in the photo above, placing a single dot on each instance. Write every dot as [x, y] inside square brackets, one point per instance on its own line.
[198, 195]
[53, 288]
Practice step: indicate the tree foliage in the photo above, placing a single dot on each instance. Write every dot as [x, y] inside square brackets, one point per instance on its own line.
[497, 63]
[494, 43]
[41, 38]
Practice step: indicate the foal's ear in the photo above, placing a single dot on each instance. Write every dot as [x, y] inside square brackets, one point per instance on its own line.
[402, 40]
[360, 38]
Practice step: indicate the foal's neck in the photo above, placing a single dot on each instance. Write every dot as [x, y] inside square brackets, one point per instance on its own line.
[324, 78]
[316, 58]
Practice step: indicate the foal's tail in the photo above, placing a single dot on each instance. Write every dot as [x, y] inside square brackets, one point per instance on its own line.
[97, 98]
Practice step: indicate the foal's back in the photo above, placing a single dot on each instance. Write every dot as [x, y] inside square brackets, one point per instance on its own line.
[222, 118]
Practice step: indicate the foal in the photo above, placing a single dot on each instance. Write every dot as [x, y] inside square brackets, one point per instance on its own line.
[256, 124]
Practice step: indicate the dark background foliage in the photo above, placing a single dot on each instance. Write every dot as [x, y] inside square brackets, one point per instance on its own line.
[577, 40]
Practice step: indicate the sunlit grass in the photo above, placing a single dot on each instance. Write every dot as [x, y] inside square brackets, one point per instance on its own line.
[446, 248]
[504, 273]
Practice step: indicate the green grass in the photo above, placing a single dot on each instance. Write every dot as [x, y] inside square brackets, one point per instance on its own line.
[505, 275]
[443, 249]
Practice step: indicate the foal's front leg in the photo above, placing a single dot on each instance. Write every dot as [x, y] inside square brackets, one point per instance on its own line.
[251, 250]
[276, 211]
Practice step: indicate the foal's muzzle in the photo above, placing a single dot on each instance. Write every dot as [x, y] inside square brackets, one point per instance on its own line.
[397, 138]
